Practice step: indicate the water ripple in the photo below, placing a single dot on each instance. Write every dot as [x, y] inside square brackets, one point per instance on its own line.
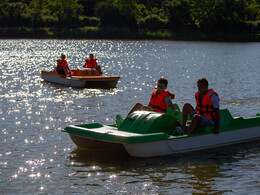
[37, 158]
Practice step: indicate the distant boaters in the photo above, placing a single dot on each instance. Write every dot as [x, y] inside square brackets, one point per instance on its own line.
[92, 63]
[62, 66]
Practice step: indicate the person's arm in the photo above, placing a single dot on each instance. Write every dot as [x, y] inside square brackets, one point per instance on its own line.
[176, 112]
[67, 65]
[149, 105]
[217, 121]
[168, 102]
[215, 101]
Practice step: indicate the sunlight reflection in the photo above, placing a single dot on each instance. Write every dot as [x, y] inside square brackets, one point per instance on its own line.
[112, 176]
[33, 112]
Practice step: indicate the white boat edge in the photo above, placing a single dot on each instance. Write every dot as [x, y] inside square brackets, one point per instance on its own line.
[192, 143]
[64, 81]
[82, 81]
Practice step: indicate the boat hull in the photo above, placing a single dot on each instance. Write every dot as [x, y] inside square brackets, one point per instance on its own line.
[172, 145]
[89, 143]
[192, 143]
[149, 134]
[102, 82]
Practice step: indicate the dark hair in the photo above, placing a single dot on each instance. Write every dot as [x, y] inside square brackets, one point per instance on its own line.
[203, 81]
[163, 80]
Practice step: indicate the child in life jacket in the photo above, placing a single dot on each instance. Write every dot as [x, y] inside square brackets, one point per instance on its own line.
[160, 101]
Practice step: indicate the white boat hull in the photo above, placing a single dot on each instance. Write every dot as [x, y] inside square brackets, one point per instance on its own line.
[64, 81]
[100, 81]
[193, 143]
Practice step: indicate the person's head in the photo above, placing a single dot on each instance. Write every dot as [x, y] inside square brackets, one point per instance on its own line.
[91, 56]
[63, 56]
[162, 84]
[202, 85]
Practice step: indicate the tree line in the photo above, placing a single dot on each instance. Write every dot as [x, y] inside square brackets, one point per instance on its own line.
[134, 15]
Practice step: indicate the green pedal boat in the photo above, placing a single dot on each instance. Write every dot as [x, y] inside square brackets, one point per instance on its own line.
[148, 134]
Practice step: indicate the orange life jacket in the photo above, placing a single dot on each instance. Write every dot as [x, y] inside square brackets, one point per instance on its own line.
[90, 63]
[156, 102]
[205, 106]
[62, 63]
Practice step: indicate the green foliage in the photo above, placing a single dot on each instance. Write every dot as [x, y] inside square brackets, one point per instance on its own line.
[13, 14]
[179, 14]
[153, 22]
[220, 14]
[68, 12]
[117, 13]
[60, 13]
[135, 16]
[159, 34]
[89, 21]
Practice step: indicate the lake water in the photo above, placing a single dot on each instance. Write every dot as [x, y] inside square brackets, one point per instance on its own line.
[37, 158]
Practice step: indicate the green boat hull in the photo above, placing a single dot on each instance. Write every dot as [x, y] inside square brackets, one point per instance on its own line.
[145, 134]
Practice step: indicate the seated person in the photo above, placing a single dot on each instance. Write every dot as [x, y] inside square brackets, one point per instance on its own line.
[62, 66]
[206, 112]
[160, 101]
[92, 63]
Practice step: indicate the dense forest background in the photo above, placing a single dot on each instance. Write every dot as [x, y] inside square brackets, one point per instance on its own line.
[169, 19]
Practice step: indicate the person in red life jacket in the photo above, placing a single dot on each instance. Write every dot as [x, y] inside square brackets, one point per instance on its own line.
[92, 63]
[160, 100]
[62, 66]
[206, 112]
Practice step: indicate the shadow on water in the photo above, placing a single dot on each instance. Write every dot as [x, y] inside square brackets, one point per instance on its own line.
[195, 172]
[112, 155]
[119, 157]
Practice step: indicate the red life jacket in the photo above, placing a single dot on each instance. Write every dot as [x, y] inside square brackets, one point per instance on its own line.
[63, 63]
[156, 102]
[205, 106]
[90, 63]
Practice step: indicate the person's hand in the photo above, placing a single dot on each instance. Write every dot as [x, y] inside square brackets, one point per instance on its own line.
[176, 112]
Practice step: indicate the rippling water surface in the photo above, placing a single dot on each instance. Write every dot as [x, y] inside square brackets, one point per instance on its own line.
[36, 157]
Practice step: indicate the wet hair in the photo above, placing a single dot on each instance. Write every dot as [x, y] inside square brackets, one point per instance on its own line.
[163, 80]
[203, 81]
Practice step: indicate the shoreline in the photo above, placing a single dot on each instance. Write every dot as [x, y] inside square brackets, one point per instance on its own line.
[123, 33]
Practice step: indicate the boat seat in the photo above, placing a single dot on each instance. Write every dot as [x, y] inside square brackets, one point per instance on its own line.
[171, 112]
[78, 72]
[226, 120]
[225, 117]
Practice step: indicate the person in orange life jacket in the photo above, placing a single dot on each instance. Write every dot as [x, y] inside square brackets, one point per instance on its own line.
[160, 100]
[62, 65]
[91, 62]
[207, 109]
